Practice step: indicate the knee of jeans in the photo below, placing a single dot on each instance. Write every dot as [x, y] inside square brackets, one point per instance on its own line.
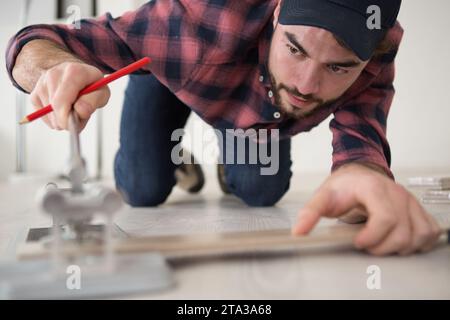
[261, 191]
[136, 198]
[142, 191]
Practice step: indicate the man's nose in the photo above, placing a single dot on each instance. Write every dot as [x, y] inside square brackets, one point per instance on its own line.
[308, 79]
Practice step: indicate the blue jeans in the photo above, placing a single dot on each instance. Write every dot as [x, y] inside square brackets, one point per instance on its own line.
[143, 168]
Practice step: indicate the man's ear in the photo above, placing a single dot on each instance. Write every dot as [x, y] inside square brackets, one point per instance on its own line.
[276, 13]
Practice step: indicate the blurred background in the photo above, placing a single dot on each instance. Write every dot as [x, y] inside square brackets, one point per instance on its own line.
[418, 125]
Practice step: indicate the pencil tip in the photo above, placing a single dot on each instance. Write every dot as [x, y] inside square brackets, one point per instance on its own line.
[24, 120]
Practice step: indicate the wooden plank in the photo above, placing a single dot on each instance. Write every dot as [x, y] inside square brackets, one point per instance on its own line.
[207, 244]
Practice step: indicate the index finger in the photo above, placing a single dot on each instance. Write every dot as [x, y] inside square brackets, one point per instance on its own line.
[310, 214]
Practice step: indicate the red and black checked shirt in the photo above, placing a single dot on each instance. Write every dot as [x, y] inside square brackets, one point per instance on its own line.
[212, 55]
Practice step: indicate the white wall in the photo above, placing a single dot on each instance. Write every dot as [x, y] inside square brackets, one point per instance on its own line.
[417, 126]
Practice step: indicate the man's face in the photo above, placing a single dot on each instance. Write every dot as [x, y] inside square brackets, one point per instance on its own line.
[309, 68]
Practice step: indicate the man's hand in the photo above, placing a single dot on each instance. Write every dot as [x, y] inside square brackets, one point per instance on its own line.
[60, 86]
[55, 76]
[396, 222]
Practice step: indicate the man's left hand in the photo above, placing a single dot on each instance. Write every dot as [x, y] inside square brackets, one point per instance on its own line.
[396, 222]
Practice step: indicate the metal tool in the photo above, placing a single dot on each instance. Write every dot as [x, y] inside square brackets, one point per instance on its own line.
[77, 206]
[103, 273]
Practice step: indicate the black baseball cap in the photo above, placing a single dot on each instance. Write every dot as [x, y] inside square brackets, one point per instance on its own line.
[347, 19]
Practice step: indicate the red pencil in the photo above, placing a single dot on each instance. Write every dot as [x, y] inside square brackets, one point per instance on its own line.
[92, 87]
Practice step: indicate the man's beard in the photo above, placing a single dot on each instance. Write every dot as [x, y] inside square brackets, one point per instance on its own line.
[293, 111]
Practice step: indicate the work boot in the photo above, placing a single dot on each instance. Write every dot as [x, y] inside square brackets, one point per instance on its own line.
[222, 179]
[189, 174]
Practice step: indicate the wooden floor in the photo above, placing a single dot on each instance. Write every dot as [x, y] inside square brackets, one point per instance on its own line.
[325, 274]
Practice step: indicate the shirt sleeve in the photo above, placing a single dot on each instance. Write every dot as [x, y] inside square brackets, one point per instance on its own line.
[359, 127]
[160, 29]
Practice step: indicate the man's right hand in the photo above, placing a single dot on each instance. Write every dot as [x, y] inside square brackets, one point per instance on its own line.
[60, 86]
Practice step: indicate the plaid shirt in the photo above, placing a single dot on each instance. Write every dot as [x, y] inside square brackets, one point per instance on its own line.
[212, 54]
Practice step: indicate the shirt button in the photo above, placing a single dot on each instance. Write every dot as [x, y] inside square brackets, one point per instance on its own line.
[270, 94]
[261, 78]
[277, 115]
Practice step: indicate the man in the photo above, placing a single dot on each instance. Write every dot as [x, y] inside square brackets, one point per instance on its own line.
[278, 65]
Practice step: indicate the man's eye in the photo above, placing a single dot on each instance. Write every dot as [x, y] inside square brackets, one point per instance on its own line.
[335, 69]
[292, 49]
